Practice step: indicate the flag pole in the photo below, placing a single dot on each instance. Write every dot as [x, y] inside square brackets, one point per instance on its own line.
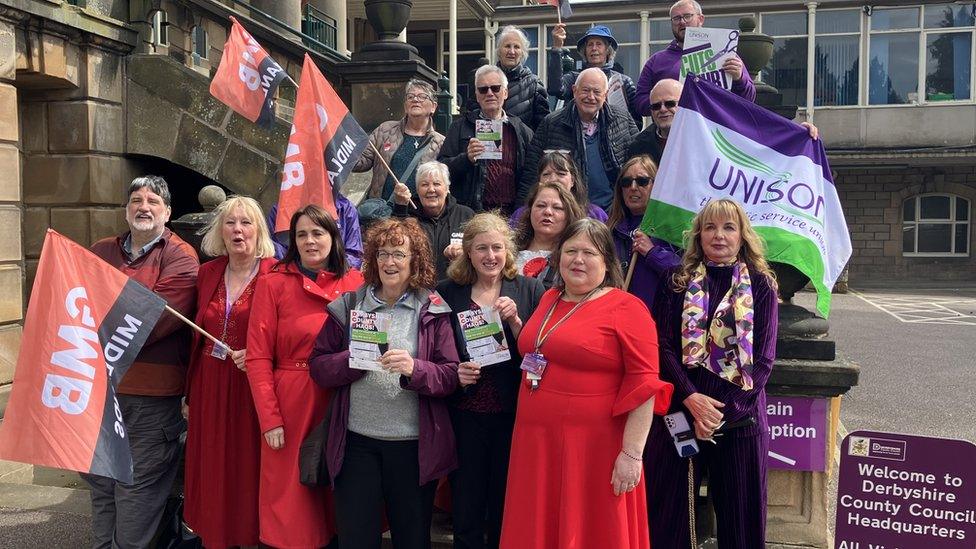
[189, 322]
[559, 14]
[387, 166]
[630, 271]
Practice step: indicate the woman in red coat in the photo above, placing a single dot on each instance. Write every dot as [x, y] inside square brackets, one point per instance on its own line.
[222, 443]
[289, 311]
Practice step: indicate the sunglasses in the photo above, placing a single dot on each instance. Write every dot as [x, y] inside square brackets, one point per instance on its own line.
[641, 181]
[495, 89]
[670, 104]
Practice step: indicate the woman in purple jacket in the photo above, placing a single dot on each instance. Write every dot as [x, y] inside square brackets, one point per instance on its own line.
[654, 256]
[390, 435]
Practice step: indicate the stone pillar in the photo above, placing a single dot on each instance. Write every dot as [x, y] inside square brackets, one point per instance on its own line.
[288, 12]
[11, 250]
[337, 10]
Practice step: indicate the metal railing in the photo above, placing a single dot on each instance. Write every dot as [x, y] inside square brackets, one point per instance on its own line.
[320, 27]
[311, 42]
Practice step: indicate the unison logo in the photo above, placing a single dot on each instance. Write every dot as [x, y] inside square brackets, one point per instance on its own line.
[752, 181]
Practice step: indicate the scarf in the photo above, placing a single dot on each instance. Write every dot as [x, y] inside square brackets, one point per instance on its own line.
[725, 345]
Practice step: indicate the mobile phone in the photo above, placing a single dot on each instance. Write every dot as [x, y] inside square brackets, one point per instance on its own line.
[682, 434]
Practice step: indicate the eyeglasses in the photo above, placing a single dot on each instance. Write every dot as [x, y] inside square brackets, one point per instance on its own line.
[495, 89]
[418, 97]
[556, 151]
[685, 18]
[641, 181]
[399, 257]
[666, 104]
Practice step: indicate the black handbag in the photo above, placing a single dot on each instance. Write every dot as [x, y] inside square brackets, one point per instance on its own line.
[313, 467]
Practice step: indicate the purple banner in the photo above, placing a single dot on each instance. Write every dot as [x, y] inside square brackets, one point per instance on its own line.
[797, 433]
[906, 492]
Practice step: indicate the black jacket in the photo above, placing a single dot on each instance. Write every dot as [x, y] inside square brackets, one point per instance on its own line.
[562, 130]
[560, 85]
[526, 293]
[467, 179]
[527, 97]
[646, 142]
[439, 228]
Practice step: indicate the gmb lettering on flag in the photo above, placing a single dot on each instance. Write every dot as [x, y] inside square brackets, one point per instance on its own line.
[85, 324]
[247, 77]
[722, 146]
[324, 145]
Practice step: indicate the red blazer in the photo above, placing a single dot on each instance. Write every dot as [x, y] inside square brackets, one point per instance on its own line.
[208, 278]
[287, 314]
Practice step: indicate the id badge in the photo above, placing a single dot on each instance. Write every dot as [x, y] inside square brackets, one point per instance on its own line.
[220, 351]
[534, 364]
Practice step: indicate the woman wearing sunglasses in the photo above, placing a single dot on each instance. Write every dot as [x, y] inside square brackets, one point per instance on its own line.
[654, 256]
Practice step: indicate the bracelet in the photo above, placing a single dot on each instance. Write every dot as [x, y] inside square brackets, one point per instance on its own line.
[624, 452]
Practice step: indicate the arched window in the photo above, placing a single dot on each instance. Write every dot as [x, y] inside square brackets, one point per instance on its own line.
[158, 28]
[198, 37]
[935, 225]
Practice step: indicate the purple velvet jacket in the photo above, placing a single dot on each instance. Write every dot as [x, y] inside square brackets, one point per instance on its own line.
[649, 268]
[434, 378]
[665, 64]
[738, 403]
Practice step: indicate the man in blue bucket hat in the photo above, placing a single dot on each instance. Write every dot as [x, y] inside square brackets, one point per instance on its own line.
[597, 47]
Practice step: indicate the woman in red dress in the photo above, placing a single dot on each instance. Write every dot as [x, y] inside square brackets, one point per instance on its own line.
[289, 311]
[222, 442]
[583, 416]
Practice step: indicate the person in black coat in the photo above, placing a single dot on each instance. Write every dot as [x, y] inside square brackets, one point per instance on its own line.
[439, 214]
[482, 183]
[664, 105]
[483, 409]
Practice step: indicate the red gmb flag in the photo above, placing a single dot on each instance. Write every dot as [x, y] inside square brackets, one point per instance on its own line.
[85, 324]
[247, 77]
[324, 145]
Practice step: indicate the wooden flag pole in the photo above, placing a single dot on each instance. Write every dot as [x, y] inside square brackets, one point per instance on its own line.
[559, 14]
[630, 271]
[387, 166]
[191, 324]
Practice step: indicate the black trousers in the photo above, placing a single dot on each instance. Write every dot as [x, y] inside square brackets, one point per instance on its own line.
[484, 442]
[374, 471]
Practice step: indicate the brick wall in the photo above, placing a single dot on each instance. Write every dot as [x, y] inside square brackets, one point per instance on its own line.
[872, 200]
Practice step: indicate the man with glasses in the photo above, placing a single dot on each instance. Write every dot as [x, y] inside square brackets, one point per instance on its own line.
[667, 63]
[664, 105]
[596, 134]
[481, 183]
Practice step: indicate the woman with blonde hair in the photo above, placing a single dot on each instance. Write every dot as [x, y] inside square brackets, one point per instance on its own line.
[484, 278]
[223, 440]
[717, 332]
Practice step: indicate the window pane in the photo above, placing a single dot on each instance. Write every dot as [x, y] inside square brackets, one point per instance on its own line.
[836, 70]
[533, 61]
[838, 21]
[722, 21]
[658, 47]
[894, 68]
[962, 238]
[661, 29]
[629, 58]
[467, 40]
[625, 31]
[783, 24]
[948, 15]
[573, 34]
[467, 63]
[962, 209]
[893, 19]
[909, 209]
[935, 207]
[787, 70]
[533, 34]
[934, 238]
[948, 67]
[908, 239]
[426, 44]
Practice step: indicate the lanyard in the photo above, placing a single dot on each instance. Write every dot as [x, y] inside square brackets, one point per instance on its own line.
[229, 302]
[540, 338]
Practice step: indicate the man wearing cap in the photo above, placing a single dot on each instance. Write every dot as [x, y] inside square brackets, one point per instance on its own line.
[667, 62]
[594, 133]
[597, 48]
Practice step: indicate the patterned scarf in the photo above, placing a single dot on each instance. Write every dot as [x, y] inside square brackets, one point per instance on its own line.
[726, 349]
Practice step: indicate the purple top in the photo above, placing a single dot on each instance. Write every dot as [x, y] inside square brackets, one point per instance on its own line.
[649, 268]
[666, 64]
[348, 225]
[434, 378]
[594, 211]
[738, 403]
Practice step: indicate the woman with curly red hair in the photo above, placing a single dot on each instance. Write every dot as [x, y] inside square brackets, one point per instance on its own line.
[390, 435]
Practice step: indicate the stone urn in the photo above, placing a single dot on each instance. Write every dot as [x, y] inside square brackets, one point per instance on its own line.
[388, 19]
[756, 49]
[190, 226]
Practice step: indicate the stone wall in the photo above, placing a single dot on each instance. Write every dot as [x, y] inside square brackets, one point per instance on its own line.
[872, 199]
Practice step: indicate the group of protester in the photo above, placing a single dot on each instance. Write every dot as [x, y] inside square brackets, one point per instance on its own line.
[289, 446]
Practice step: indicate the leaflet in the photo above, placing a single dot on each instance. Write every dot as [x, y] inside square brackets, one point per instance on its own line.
[484, 337]
[489, 132]
[368, 339]
[705, 51]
